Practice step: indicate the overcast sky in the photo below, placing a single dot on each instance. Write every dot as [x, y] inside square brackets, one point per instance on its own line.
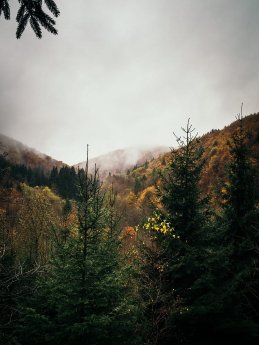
[125, 73]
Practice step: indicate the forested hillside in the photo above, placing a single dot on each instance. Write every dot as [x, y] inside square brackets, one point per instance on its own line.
[163, 253]
[21, 154]
[119, 161]
[138, 187]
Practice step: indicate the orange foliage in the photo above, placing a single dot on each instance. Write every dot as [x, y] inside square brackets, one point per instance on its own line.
[214, 175]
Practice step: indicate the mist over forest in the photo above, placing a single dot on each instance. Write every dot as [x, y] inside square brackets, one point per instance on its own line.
[132, 257]
[129, 146]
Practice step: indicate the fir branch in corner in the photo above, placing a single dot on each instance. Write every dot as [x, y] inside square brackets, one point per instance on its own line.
[31, 10]
[52, 7]
[5, 8]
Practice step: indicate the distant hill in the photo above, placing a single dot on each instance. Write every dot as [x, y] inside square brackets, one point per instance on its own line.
[217, 150]
[21, 154]
[216, 153]
[119, 161]
[136, 188]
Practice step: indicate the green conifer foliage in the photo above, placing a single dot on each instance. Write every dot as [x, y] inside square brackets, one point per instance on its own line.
[181, 196]
[241, 197]
[84, 297]
[241, 305]
[32, 11]
[187, 250]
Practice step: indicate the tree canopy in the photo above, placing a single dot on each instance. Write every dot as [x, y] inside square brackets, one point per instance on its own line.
[73, 269]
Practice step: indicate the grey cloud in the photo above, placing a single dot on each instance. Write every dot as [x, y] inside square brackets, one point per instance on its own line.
[128, 72]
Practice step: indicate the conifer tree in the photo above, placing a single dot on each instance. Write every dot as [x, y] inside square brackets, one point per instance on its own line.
[32, 11]
[182, 194]
[84, 296]
[241, 298]
[177, 252]
[188, 214]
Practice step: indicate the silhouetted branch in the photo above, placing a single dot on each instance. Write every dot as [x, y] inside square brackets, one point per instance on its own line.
[32, 10]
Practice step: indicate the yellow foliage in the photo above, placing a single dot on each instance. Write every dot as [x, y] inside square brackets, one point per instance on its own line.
[157, 224]
[149, 195]
[223, 190]
[38, 219]
[131, 198]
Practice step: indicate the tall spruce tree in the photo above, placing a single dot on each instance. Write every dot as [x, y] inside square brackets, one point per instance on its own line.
[187, 212]
[84, 295]
[182, 194]
[173, 265]
[241, 297]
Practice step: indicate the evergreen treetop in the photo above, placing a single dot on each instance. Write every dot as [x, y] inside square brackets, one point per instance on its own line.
[181, 196]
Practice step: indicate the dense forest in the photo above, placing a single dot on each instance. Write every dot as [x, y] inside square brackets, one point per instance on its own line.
[164, 253]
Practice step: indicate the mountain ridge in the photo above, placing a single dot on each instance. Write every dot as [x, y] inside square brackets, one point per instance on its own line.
[20, 153]
[120, 160]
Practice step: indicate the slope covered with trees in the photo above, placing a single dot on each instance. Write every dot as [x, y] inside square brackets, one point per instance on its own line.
[74, 268]
[119, 161]
[18, 153]
[206, 259]
[137, 188]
